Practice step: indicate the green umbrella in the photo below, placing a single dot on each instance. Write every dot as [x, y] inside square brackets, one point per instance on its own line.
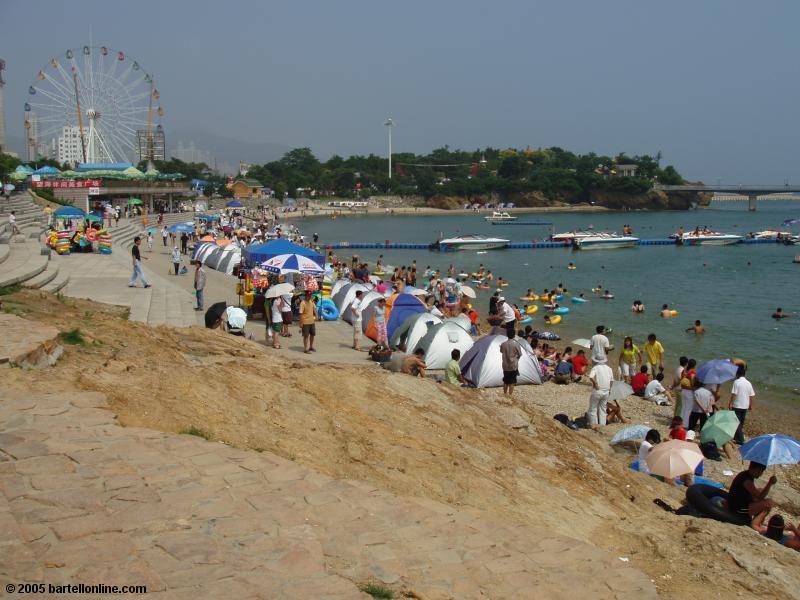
[93, 218]
[134, 202]
[720, 427]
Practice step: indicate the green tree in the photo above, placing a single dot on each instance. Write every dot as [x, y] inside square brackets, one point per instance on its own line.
[7, 165]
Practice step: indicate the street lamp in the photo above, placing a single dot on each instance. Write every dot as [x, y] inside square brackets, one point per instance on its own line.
[390, 125]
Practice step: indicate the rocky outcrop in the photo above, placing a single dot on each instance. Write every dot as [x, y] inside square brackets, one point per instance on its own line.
[652, 200]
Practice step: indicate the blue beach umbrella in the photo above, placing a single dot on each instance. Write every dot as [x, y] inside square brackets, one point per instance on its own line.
[292, 263]
[234, 204]
[69, 212]
[633, 433]
[772, 449]
[181, 228]
[716, 371]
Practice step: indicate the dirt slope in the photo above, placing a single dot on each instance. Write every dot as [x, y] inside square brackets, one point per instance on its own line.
[463, 447]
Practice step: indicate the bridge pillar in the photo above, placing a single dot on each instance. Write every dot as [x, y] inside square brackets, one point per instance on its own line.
[751, 202]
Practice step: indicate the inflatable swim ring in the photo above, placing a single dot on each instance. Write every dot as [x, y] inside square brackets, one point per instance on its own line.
[572, 268]
[92, 235]
[699, 497]
[531, 309]
[607, 296]
[597, 289]
[328, 309]
[674, 313]
[562, 310]
[529, 298]
[548, 335]
[526, 320]
[555, 320]
[578, 300]
[549, 306]
[504, 284]
[379, 272]
[559, 296]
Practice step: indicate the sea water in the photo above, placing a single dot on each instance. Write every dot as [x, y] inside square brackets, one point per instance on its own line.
[733, 290]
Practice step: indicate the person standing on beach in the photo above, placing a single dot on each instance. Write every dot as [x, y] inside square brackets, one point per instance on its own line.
[742, 395]
[149, 241]
[176, 259]
[12, 222]
[355, 309]
[137, 264]
[629, 357]
[308, 318]
[164, 235]
[655, 355]
[601, 377]
[511, 352]
[599, 344]
[508, 319]
[199, 283]
[380, 323]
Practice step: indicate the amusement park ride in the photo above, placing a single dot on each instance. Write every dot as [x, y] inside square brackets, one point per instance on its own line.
[102, 95]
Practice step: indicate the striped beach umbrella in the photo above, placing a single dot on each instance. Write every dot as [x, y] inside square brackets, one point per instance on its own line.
[292, 263]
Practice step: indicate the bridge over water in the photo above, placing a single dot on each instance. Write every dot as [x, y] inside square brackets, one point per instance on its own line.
[738, 193]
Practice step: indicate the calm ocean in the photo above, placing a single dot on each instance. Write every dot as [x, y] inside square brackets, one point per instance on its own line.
[733, 290]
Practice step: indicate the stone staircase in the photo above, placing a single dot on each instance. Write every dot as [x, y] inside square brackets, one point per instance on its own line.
[30, 218]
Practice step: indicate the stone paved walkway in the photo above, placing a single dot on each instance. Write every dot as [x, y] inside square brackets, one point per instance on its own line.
[87, 501]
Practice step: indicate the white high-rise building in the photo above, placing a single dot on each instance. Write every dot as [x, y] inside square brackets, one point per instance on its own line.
[70, 149]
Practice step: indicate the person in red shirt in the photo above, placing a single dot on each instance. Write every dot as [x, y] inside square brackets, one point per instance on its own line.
[640, 381]
[579, 362]
[677, 432]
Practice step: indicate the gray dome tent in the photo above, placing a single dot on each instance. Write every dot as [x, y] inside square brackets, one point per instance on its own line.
[347, 294]
[413, 329]
[367, 299]
[483, 364]
[441, 340]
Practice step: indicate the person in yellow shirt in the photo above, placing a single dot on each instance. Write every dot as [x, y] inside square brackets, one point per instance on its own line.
[308, 318]
[655, 355]
[629, 357]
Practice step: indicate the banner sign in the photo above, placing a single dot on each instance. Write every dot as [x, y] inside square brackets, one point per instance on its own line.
[68, 183]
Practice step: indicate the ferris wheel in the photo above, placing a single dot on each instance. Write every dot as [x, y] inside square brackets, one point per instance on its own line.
[107, 101]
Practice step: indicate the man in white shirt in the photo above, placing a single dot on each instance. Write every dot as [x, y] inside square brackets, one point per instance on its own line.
[507, 316]
[599, 344]
[601, 377]
[655, 391]
[12, 221]
[703, 406]
[742, 394]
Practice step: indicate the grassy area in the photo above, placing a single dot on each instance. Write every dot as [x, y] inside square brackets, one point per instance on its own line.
[73, 337]
[10, 289]
[377, 591]
[192, 430]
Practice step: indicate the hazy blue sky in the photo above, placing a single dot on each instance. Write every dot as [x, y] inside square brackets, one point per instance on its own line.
[714, 84]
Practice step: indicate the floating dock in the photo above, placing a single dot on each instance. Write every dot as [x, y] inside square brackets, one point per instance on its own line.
[513, 245]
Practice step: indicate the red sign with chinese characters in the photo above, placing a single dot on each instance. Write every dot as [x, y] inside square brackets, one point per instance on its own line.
[68, 183]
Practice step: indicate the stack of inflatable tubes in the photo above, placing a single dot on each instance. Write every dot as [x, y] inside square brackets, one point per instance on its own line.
[62, 243]
[327, 309]
[104, 242]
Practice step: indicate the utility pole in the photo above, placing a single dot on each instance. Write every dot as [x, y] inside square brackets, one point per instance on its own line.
[390, 125]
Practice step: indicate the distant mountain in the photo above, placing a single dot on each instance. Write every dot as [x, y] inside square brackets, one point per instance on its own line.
[227, 151]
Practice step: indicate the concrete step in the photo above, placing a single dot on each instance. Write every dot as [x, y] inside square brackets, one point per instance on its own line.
[25, 262]
[43, 278]
[5, 251]
[58, 284]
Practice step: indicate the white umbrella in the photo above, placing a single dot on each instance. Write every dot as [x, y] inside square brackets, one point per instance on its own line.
[468, 291]
[236, 317]
[279, 290]
[619, 391]
[449, 280]
[416, 292]
[582, 342]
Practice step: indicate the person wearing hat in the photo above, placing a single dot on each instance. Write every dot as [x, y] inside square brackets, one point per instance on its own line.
[507, 317]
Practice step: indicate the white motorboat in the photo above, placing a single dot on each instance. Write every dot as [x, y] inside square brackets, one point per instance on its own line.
[708, 238]
[771, 234]
[499, 217]
[571, 236]
[604, 240]
[469, 242]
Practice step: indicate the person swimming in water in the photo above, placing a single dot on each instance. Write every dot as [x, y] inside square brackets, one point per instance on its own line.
[665, 311]
[607, 295]
[779, 314]
[637, 307]
[697, 328]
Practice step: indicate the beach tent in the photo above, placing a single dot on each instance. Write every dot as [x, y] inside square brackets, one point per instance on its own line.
[483, 364]
[441, 340]
[46, 170]
[219, 258]
[202, 250]
[398, 308]
[461, 320]
[367, 299]
[234, 204]
[337, 285]
[368, 311]
[258, 253]
[413, 330]
[345, 296]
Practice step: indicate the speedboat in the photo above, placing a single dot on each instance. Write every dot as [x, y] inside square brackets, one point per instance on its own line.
[708, 238]
[771, 234]
[469, 242]
[570, 236]
[604, 240]
[499, 217]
